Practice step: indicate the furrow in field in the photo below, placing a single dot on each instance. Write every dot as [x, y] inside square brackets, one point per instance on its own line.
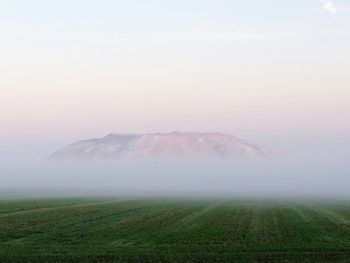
[154, 226]
[11, 206]
[57, 208]
[332, 215]
[91, 225]
[321, 226]
[188, 220]
[63, 223]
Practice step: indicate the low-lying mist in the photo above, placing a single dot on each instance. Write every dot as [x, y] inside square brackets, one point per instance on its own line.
[271, 177]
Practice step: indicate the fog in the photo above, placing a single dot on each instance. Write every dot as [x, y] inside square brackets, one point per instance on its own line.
[278, 176]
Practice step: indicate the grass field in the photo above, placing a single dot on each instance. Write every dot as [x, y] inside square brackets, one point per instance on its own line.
[150, 230]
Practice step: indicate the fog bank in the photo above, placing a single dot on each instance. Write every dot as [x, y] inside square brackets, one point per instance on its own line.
[273, 177]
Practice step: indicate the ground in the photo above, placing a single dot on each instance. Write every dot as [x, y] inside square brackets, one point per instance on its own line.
[173, 230]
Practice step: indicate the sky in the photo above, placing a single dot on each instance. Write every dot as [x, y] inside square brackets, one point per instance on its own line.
[274, 72]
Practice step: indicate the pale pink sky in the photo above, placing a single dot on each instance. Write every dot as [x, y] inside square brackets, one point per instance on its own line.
[243, 101]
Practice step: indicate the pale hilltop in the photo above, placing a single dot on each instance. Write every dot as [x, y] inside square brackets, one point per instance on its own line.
[175, 144]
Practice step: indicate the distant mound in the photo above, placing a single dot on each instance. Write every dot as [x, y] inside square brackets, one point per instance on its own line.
[176, 144]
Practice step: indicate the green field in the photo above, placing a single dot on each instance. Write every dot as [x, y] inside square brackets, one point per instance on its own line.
[169, 230]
